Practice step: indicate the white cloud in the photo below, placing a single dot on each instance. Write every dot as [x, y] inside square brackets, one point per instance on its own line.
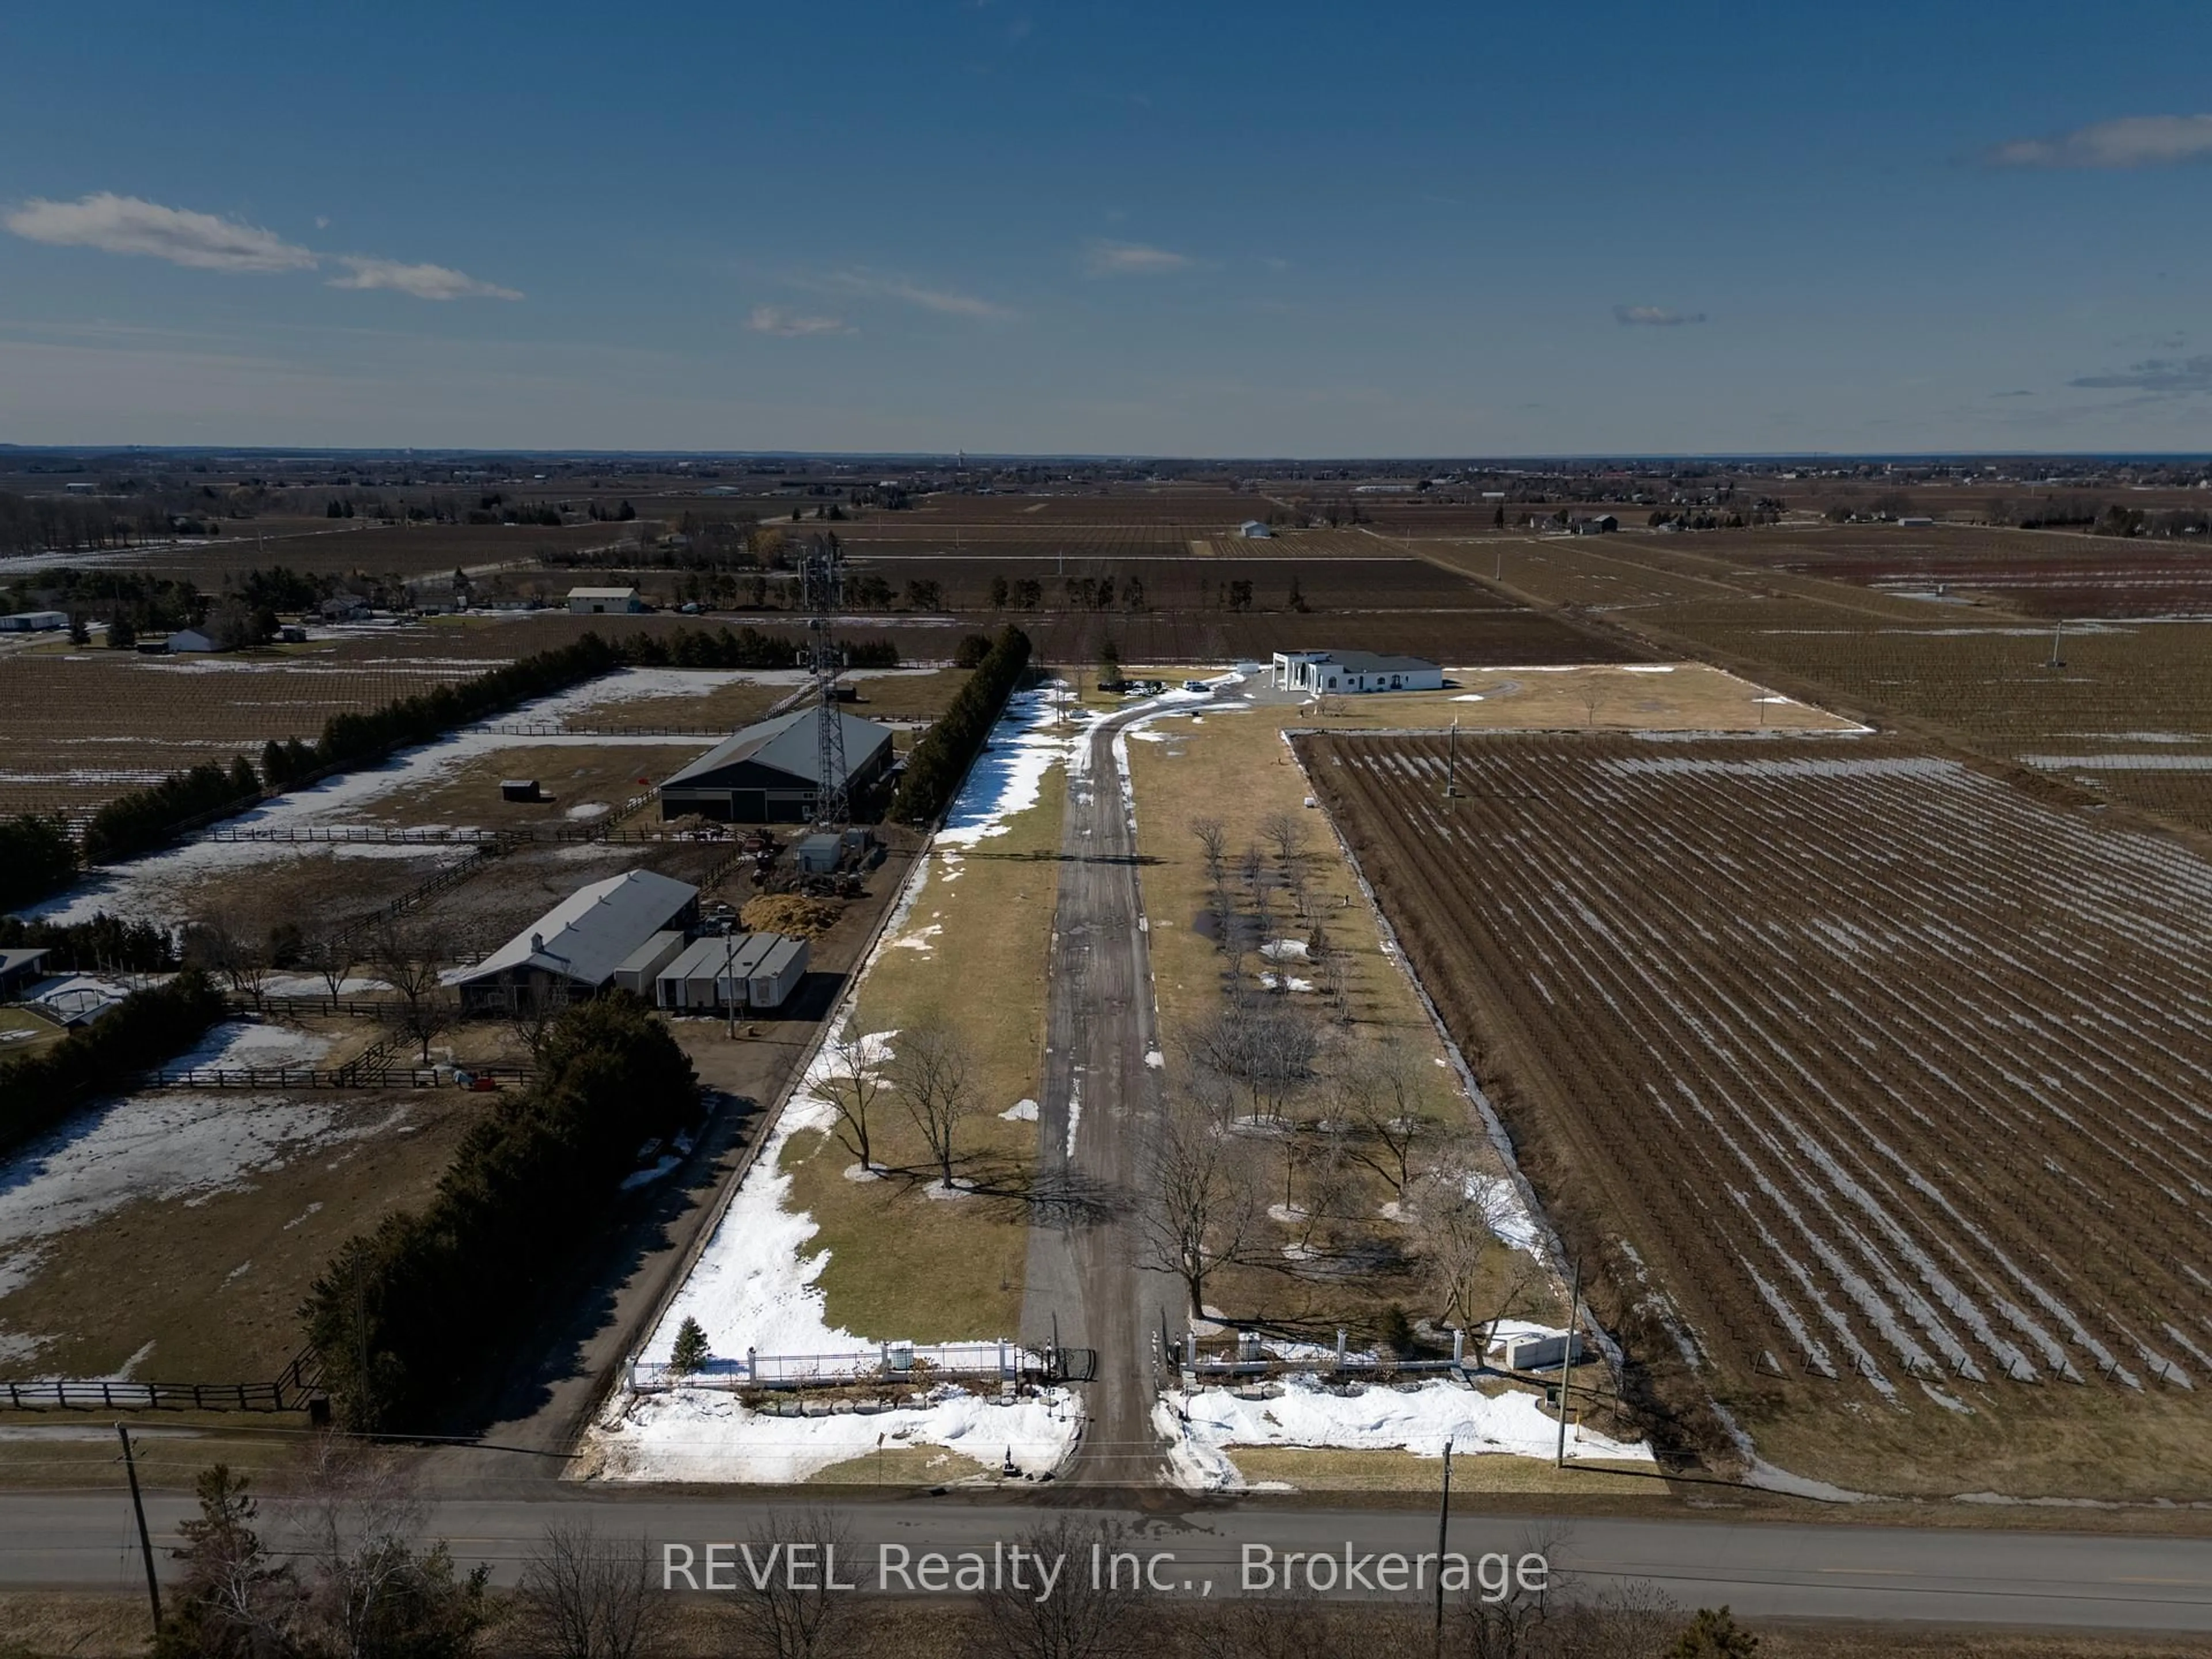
[774, 319]
[424, 282]
[125, 224]
[2132, 141]
[1131, 259]
[1653, 317]
[868, 285]
[2166, 375]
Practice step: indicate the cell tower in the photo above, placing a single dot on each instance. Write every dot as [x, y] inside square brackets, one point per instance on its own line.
[823, 574]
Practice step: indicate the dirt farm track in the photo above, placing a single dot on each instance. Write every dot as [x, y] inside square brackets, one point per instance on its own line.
[1874, 1091]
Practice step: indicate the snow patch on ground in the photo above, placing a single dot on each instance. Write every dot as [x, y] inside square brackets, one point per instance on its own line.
[1008, 776]
[755, 1286]
[162, 1146]
[239, 1046]
[1201, 1425]
[1022, 1111]
[702, 1435]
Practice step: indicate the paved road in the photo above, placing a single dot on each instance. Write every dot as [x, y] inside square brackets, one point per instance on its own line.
[83, 1539]
[1098, 1094]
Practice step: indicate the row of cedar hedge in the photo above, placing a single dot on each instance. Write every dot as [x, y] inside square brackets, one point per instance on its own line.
[151, 817]
[37, 859]
[936, 765]
[146, 1029]
[414, 1321]
[147, 818]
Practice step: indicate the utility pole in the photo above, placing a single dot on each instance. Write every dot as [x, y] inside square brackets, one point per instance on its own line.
[1566, 1358]
[729, 978]
[145, 1543]
[1443, 1521]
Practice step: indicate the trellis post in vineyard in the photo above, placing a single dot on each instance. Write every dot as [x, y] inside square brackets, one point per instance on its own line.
[1451, 762]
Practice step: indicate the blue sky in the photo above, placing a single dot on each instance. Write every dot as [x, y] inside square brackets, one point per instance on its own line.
[1213, 228]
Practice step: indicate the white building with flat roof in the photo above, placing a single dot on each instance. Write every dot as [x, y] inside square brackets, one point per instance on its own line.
[1322, 672]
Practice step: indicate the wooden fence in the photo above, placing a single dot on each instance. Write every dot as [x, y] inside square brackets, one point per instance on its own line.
[351, 1076]
[299, 1383]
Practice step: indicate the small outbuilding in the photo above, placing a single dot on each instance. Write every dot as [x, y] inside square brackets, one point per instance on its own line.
[522, 789]
[603, 601]
[192, 639]
[640, 970]
[771, 773]
[19, 969]
[35, 622]
[734, 970]
[1253, 531]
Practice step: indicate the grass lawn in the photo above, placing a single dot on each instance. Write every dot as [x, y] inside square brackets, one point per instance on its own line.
[973, 952]
[22, 1032]
[1234, 765]
[1399, 1471]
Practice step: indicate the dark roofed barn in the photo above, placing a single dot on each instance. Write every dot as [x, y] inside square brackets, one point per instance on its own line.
[770, 772]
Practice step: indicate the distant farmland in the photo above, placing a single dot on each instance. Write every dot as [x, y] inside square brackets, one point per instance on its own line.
[1885, 1086]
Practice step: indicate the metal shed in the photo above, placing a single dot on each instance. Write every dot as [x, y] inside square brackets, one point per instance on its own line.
[712, 973]
[777, 974]
[641, 967]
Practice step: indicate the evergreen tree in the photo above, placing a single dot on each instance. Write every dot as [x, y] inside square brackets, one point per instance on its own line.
[691, 1353]
[1714, 1636]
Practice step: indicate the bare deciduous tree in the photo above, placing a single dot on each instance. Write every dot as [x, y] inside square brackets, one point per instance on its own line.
[1476, 1277]
[782, 1607]
[331, 950]
[1265, 1048]
[585, 1596]
[1285, 832]
[409, 960]
[1213, 841]
[376, 1587]
[935, 1076]
[855, 1080]
[1201, 1211]
[532, 1018]
[1378, 1093]
[1297, 1627]
[1080, 1618]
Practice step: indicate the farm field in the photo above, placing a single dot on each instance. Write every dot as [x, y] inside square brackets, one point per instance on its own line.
[77, 728]
[317, 547]
[2126, 716]
[1178, 582]
[1869, 1087]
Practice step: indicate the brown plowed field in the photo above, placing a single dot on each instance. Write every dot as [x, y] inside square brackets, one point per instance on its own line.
[1885, 1084]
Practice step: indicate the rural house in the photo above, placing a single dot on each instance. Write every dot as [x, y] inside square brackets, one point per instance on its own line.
[770, 772]
[575, 949]
[1354, 670]
[603, 601]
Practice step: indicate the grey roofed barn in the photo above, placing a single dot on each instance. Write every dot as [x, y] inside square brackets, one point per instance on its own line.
[579, 943]
[770, 772]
